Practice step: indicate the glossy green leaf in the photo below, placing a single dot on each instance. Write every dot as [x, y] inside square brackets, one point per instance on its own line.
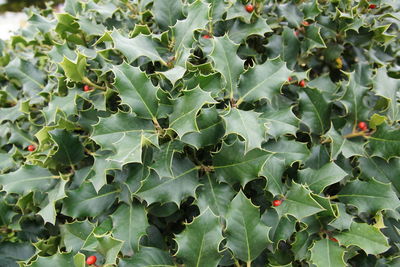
[326, 252]
[148, 256]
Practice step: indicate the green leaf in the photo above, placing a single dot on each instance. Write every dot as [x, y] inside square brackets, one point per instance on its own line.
[59, 259]
[364, 236]
[164, 156]
[75, 234]
[85, 201]
[263, 81]
[387, 87]
[60, 105]
[290, 151]
[27, 75]
[10, 253]
[148, 256]
[109, 247]
[48, 211]
[136, 90]
[317, 180]
[246, 235]
[232, 165]
[312, 39]
[315, 110]
[141, 45]
[174, 188]
[214, 195]
[197, 18]
[299, 203]
[27, 179]
[124, 134]
[273, 171]
[246, 124]
[167, 12]
[385, 142]
[198, 244]
[325, 252]
[183, 118]
[339, 145]
[70, 149]
[75, 70]
[382, 170]
[280, 121]
[129, 225]
[239, 31]
[67, 23]
[227, 62]
[371, 196]
[344, 220]
[211, 129]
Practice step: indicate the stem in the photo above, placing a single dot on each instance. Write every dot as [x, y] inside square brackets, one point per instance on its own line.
[248, 264]
[237, 263]
[89, 82]
[333, 197]
[354, 134]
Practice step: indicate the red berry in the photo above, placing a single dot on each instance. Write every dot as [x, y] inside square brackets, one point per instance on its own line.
[372, 6]
[31, 148]
[290, 79]
[206, 36]
[296, 33]
[333, 239]
[305, 23]
[302, 83]
[277, 203]
[86, 88]
[91, 260]
[249, 8]
[362, 125]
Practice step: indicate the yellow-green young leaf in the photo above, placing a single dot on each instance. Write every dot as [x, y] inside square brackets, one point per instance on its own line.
[299, 203]
[325, 252]
[370, 196]
[129, 225]
[246, 124]
[27, 179]
[198, 244]
[364, 236]
[232, 165]
[75, 70]
[183, 118]
[263, 81]
[136, 90]
[227, 62]
[246, 235]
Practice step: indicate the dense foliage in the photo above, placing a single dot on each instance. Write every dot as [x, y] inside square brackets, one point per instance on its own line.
[202, 133]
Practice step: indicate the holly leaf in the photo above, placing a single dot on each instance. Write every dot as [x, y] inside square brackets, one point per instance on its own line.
[325, 252]
[124, 134]
[214, 195]
[198, 244]
[129, 225]
[317, 180]
[164, 156]
[148, 256]
[246, 235]
[299, 203]
[280, 121]
[109, 247]
[27, 179]
[133, 48]
[27, 75]
[85, 201]
[289, 150]
[370, 196]
[387, 87]
[183, 118]
[385, 142]
[48, 207]
[59, 259]
[227, 62]
[211, 129]
[232, 165]
[246, 124]
[312, 39]
[70, 149]
[136, 90]
[339, 145]
[364, 236]
[60, 105]
[315, 110]
[263, 81]
[75, 234]
[382, 170]
[167, 13]
[239, 30]
[180, 185]
[75, 70]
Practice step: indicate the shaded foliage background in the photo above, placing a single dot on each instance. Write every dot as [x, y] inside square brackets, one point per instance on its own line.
[192, 127]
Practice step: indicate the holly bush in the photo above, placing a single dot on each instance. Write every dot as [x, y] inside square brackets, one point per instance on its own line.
[202, 133]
